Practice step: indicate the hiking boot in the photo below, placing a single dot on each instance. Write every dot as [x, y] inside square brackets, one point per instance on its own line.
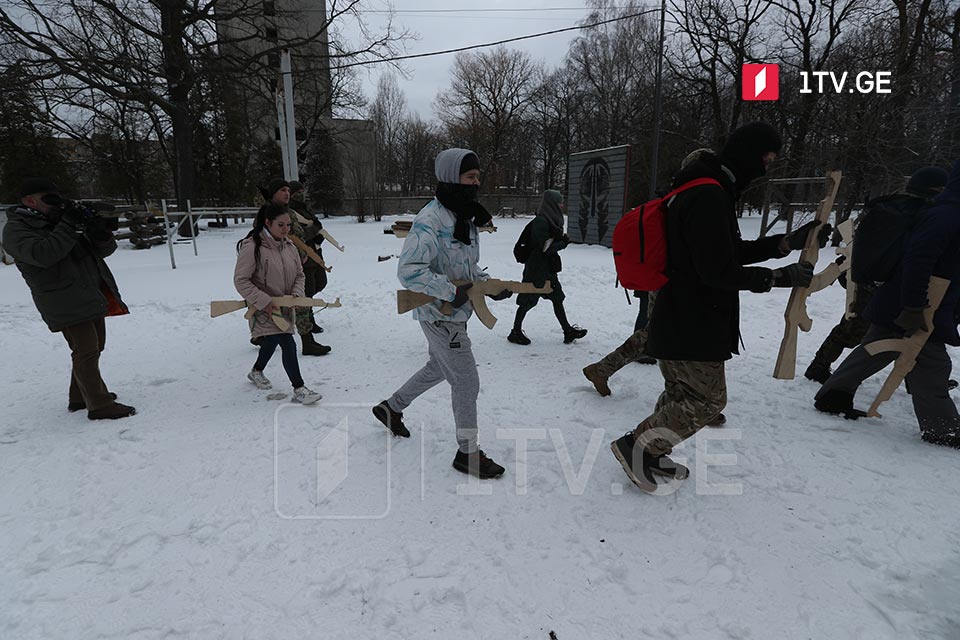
[636, 463]
[818, 372]
[573, 332]
[303, 395]
[838, 402]
[477, 464]
[516, 337]
[645, 360]
[666, 467]
[718, 421]
[111, 412]
[77, 406]
[257, 378]
[391, 419]
[313, 348]
[592, 373]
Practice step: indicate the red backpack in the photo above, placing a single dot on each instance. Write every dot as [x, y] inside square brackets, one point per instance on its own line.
[640, 242]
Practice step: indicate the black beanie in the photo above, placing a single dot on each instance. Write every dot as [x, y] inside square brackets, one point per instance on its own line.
[275, 185]
[927, 181]
[745, 149]
[469, 163]
[31, 186]
[295, 186]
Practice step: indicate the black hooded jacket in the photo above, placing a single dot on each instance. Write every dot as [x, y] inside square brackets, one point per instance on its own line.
[697, 313]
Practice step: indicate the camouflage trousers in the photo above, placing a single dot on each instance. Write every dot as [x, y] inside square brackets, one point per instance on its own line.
[630, 350]
[694, 394]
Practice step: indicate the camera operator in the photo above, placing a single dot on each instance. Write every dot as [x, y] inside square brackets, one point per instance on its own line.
[59, 247]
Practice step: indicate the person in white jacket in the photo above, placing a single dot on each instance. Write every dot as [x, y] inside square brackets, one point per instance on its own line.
[443, 246]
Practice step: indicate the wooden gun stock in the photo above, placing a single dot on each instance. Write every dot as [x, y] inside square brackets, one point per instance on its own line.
[307, 249]
[408, 300]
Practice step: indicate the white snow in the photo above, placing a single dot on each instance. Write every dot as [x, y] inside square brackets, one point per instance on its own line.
[215, 513]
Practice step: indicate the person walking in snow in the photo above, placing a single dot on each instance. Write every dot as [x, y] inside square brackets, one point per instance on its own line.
[896, 310]
[544, 238]
[443, 246]
[316, 276]
[268, 265]
[695, 324]
[277, 192]
[60, 249]
[921, 188]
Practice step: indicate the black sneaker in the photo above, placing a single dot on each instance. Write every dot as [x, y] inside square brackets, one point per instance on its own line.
[634, 462]
[517, 337]
[666, 467]
[315, 329]
[818, 372]
[572, 333]
[477, 464]
[838, 402]
[112, 411]
[951, 384]
[391, 419]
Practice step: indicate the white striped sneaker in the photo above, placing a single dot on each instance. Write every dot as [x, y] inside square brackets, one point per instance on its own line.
[304, 395]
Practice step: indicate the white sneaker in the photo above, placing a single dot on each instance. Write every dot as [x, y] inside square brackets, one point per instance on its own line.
[257, 378]
[303, 395]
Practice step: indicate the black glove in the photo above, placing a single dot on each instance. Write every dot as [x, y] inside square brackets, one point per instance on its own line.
[74, 216]
[461, 298]
[503, 295]
[794, 275]
[797, 238]
[911, 320]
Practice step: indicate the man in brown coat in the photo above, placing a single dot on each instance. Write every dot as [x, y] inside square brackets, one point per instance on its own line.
[59, 248]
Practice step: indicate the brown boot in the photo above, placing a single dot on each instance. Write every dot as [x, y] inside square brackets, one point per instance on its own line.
[111, 412]
[313, 348]
[593, 374]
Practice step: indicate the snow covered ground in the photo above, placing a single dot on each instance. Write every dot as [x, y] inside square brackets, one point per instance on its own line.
[216, 513]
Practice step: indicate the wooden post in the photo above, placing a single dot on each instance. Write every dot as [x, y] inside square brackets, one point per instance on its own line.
[795, 316]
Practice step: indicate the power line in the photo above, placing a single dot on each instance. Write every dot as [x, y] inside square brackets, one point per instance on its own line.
[494, 44]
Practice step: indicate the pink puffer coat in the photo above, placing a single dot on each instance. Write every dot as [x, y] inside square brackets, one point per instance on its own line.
[278, 273]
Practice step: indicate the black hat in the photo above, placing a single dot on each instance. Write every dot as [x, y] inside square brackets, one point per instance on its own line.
[745, 149]
[295, 185]
[469, 163]
[31, 186]
[275, 185]
[927, 181]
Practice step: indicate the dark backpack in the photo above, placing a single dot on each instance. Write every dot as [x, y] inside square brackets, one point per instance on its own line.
[640, 242]
[881, 236]
[521, 250]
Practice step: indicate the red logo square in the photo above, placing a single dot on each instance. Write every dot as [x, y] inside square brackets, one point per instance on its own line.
[760, 82]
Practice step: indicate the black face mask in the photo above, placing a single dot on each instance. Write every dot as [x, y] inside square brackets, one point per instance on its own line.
[462, 200]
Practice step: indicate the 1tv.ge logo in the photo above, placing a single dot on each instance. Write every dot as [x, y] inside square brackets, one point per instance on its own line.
[760, 82]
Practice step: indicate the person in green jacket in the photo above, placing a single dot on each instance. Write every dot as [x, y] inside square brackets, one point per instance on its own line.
[543, 239]
[59, 248]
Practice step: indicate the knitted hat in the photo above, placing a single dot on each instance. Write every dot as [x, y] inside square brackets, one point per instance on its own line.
[275, 185]
[927, 181]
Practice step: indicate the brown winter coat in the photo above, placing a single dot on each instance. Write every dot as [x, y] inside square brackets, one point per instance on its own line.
[278, 273]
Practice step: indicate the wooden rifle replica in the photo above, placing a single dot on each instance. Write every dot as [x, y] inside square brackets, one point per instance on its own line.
[222, 307]
[307, 249]
[796, 316]
[331, 240]
[908, 347]
[401, 228]
[409, 300]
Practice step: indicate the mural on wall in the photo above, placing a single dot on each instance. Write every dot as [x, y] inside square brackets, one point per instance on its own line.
[596, 193]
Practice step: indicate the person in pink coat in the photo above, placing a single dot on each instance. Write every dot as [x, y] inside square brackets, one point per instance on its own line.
[268, 265]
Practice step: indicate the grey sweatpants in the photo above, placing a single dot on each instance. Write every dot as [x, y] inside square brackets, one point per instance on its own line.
[926, 383]
[451, 359]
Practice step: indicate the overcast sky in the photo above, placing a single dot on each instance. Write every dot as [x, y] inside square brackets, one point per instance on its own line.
[483, 23]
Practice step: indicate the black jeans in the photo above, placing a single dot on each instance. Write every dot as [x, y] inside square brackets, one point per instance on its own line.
[289, 350]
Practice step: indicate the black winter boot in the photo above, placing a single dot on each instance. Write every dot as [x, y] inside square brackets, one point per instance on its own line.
[313, 348]
[111, 412]
[636, 463]
[77, 406]
[838, 402]
[477, 464]
[517, 337]
[391, 419]
[572, 333]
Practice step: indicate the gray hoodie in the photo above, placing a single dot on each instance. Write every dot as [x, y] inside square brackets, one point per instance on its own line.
[447, 164]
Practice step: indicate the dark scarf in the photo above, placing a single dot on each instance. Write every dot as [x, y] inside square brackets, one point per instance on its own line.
[462, 200]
